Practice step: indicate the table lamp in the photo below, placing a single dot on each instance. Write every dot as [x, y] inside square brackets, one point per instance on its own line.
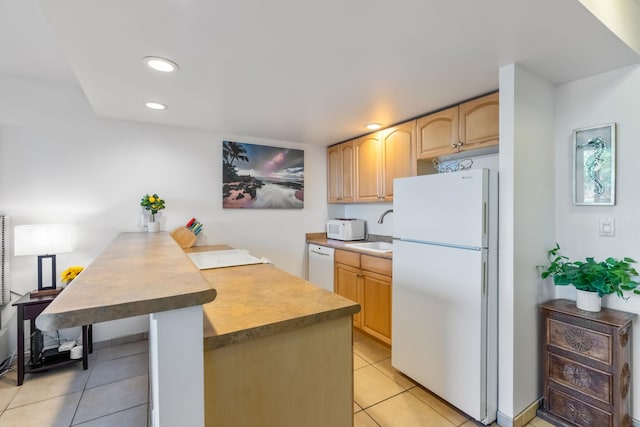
[44, 240]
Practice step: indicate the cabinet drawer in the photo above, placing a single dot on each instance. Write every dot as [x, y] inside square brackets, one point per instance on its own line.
[577, 412]
[582, 378]
[347, 258]
[579, 340]
[376, 264]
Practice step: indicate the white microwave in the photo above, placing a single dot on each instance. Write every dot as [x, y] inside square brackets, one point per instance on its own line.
[345, 229]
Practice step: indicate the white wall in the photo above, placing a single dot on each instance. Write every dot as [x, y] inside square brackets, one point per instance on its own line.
[60, 163]
[605, 98]
[526, 231]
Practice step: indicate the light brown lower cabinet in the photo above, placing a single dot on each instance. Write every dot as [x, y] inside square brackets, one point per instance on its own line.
[366, 280]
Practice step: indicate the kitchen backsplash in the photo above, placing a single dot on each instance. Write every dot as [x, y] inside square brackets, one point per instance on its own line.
[370, 212]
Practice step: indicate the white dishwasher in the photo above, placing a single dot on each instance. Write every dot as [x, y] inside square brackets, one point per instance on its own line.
[321, 266]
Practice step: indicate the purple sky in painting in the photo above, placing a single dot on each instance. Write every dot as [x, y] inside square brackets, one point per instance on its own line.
[272, 162]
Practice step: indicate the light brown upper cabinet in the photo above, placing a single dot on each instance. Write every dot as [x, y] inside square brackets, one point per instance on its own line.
[340, 173]
[478, 122]
[398, 155]
[363, 169]
[380, 158]
[367, 154]
[468, 126]
[437, 133]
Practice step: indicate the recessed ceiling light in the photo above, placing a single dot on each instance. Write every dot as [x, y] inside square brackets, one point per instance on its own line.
[155, 106]
[373, 126]
[160, 64]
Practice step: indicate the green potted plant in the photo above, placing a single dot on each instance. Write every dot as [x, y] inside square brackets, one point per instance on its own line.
[592, 279]
[153, 204]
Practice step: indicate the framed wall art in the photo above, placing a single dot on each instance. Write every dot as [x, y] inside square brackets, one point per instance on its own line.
[594, 165]
[259, 176]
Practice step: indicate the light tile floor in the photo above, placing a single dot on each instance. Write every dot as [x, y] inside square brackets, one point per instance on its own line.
[114, 392]
[386, 398]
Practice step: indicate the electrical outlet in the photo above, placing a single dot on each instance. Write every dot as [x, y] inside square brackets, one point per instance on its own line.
[607, 227]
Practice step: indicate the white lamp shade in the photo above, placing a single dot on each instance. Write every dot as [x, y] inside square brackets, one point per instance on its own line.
[43, 239]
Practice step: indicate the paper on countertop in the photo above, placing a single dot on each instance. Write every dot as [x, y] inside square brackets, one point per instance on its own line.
[224, 258]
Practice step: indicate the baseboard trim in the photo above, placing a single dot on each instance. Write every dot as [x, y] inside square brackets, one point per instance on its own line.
[120, 340]
[504, 420]
[527, 415]
[520, 420]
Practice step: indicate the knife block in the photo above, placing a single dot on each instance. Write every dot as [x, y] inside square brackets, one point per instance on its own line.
[184, 237]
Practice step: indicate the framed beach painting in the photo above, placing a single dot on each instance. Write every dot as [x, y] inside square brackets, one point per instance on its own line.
[259, 176]
[594, 165]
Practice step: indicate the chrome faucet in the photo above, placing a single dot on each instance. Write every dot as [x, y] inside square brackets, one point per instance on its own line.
[381, 219]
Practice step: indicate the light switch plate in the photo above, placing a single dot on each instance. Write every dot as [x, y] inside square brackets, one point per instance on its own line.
[607, 227]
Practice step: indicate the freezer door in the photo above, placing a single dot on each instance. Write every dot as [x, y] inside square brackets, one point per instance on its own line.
[439, 322]
[449, 208]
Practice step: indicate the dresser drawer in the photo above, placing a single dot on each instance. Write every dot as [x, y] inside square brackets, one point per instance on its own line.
[576, 411]
[576, 339]
[592, 382]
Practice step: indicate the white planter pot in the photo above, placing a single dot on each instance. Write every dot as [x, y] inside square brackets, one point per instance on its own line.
[153, 227]
[588, 301]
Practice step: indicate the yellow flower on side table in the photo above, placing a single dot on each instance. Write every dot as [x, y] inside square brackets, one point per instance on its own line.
[70, 273]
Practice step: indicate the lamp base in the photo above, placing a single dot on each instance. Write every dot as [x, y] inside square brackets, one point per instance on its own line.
[51, 260]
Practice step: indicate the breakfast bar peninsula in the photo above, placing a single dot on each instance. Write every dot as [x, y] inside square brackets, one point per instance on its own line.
[238, 346]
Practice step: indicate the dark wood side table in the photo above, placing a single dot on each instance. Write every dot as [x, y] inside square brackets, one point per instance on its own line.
[28, 309]
[586, 366]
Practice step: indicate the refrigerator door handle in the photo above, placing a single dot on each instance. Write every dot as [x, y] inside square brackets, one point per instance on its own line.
[485, 220]
[485, 279]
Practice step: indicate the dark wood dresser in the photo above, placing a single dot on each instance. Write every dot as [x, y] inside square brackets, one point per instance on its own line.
[586, 366]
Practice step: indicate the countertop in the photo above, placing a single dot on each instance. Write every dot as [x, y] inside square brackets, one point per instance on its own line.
[321, 239]
[259, 300]
[138, 273]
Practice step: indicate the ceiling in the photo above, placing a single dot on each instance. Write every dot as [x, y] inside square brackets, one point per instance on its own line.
[292, 70]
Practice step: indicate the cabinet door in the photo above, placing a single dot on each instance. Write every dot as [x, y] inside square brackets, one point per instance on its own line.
[348, 284]
[398, 155]
[340, 161]
[478, 126]
[367, 160]
[376, 315]
[334, 172]
[347, 164]
[437, 133]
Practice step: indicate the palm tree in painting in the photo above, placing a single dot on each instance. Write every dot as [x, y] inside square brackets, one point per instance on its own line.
[233, 151]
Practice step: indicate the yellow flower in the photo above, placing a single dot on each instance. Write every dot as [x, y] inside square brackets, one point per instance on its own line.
[152, 203]
[70, 273]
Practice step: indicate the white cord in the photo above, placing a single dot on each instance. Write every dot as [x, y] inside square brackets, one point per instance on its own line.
[8, 364]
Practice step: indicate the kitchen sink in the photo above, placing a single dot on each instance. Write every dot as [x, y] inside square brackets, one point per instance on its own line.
[379, 247]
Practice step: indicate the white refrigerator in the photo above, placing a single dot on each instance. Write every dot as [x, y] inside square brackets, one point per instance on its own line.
[444, 294]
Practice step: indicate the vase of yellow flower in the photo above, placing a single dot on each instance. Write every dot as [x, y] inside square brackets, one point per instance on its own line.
[69, 274]
[153, 203]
